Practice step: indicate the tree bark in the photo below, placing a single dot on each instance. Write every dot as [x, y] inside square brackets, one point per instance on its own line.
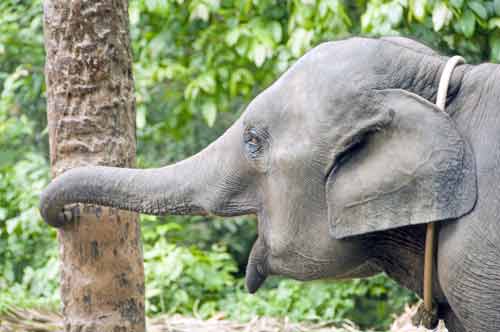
[91, 120]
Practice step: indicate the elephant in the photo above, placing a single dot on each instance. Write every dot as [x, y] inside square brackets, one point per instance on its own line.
[344, 159]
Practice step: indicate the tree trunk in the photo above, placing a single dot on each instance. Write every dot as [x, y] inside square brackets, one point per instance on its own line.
[91, 119]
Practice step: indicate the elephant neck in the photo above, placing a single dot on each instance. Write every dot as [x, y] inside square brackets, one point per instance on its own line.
[478, 90]
[400, 254]
[402, 64]
[472, 88]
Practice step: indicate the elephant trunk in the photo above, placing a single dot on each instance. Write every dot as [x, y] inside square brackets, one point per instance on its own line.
[208, 182]
[152, 191]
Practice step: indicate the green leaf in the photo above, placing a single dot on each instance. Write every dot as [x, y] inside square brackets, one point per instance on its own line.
[7, 157]
[191, 91]
[134, 14]
[207, 83]
[12, 224]
[141, 116]
[495, 47]
[214, 4]
[494, 23]
[457, 3]
[242, 46]
[200, 11]
[322, 8]
[239, 78]
[232, 37]
[418, 9]
[276, 32]
[259, 53]
[394, 13]
[299, 41]
[441, 15]
[467, 23]
[496, 5]
[151, 4]
[209, 111]
[479, 9]
[157, 5]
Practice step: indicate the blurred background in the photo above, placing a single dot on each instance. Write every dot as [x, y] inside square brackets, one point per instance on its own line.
[197, 63]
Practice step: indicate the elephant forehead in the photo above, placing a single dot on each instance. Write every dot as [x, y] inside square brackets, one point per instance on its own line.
[320, 87]
[284, 108]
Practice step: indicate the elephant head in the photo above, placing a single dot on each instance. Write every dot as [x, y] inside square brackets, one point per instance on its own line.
[336, 148]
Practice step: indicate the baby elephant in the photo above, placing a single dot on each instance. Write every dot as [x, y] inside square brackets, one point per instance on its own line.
[344, 159]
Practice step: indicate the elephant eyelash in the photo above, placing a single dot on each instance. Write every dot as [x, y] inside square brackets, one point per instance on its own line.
[254, 141]
[253, 146]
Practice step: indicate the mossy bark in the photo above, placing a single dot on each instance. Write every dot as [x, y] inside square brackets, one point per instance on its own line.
[91, 119]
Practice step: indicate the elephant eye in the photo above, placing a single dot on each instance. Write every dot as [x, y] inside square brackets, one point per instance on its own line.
[253, 143]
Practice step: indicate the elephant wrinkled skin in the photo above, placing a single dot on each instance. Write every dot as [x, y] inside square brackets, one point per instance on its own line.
[343, 160]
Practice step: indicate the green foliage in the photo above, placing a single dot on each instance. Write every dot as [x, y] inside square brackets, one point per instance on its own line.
[197, 63]
[22, 103]
[27, 247]
[189, 281]
[199, 59]
[236, 235]
[186, 280]
[28, 251]
[469, 28]
[369, 302]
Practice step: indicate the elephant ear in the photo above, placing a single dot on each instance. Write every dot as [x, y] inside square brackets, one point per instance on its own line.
[415, 168]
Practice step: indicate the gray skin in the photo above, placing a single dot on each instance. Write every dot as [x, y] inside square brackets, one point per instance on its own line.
[343, 160]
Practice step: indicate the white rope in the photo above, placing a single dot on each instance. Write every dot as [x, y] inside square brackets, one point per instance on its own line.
[428, 316]
[445, 80]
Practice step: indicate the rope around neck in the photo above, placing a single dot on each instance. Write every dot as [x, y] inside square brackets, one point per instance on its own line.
[445, 80]
[427, 315]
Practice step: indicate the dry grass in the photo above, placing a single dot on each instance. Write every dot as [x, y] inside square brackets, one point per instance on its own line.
[403, 323]
[185, 324]
[29, 320]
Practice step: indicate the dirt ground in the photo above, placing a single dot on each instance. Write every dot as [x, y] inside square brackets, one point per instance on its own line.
[24, 320]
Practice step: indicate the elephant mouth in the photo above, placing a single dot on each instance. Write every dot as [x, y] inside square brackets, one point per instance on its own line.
[254, 277]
